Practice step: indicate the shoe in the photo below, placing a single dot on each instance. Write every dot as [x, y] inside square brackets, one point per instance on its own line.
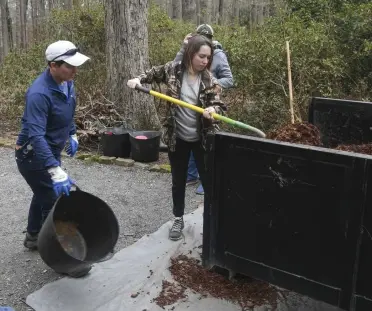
[175, 233]
[200, 190]
[191, 182]
[30, 241]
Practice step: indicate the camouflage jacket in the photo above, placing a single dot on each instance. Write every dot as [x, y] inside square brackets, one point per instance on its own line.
[171, 74]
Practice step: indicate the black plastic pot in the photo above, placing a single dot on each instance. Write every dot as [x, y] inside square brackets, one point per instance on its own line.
[94, 220]
[145, 150]
[115, 142]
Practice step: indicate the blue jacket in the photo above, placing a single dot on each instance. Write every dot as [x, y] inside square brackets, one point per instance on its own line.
[48, 120]
[220, 67]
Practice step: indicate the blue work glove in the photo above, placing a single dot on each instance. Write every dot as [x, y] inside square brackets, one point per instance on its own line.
[61, 181]
[73, 145]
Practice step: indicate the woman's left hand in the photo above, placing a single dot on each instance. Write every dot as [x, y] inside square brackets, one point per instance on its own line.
[208, 112]
[218, 89]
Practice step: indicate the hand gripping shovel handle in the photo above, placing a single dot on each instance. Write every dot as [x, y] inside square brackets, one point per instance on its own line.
[200, 110]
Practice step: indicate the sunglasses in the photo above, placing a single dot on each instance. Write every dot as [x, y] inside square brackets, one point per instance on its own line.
[67, 53]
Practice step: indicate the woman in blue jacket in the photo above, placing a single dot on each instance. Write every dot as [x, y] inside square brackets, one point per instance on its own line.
[47, 124]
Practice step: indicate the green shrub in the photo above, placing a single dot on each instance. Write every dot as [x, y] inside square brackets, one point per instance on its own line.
[83, 27]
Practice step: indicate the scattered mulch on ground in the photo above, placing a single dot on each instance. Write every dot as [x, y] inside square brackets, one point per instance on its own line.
[298, 133]
[170, 294]
[364, 148]
[189, 273]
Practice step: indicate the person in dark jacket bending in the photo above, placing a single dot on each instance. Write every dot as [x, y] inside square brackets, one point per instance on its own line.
[47, 124]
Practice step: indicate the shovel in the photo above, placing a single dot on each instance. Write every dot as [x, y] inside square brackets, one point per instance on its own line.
[216, 116]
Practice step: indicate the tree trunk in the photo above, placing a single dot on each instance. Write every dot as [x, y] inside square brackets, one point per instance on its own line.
[127, 56]
[189, 10]
[23, 23]
[220, 12]
[4, 27]
[52, 4]
[215, 10]
[41, 19]
[197, 12]
[259, 14]
[67, 4]
[253, 15]
[227, 11]
[35, 20]
[41, 10]
[236, 9]
[205, 11]
[169, 6]
[10, 26]
[177, 9]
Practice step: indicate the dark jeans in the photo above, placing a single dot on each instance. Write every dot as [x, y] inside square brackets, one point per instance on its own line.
[43, 195]
[179, 160]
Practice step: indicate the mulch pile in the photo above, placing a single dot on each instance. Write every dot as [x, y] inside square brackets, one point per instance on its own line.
[298, 133]
[365, 149]
[189, 273]
[308, 134]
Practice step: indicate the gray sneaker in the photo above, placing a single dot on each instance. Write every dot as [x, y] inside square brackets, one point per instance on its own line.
[30, 241]
[175, 233]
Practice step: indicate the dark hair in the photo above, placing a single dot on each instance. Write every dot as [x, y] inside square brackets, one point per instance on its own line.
[193, 47]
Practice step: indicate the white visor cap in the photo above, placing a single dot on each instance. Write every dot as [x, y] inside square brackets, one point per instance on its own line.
[66, 51]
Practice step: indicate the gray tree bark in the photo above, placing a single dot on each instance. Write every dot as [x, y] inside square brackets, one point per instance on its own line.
[52, 4]
[205, 11]
[236, 4]
[23, 23]
[189, 10]
[249, 12]
[177, 9]
[41, 9]
[215, 10]
[127, 56]
[67, 4]
[4, 28]
[35, 19]
[10, 26]
[220, 11]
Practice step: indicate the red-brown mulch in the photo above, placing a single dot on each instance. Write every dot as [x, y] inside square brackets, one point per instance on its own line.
[308, 134]
[298, 133]
[189, 273]
[170, 294]
[365, 148]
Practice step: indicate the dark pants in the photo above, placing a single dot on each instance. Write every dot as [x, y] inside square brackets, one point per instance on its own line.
[44, 197]
[179, 160]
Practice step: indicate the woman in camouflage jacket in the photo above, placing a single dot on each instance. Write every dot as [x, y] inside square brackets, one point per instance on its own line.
[184, 129]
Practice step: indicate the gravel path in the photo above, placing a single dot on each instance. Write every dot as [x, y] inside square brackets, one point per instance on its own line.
[140, 199]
